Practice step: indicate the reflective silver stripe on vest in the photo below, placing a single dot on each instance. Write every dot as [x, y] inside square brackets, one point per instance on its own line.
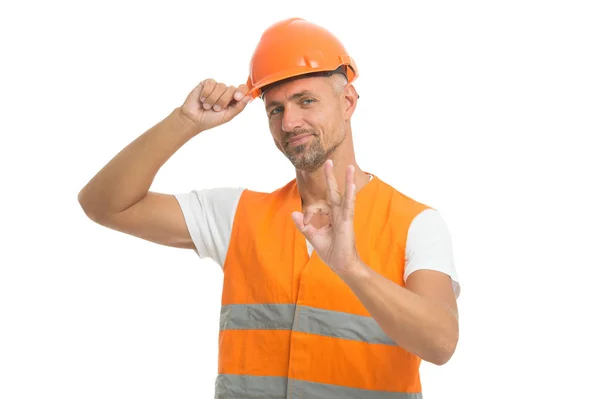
[257, 317]
[307, 319]
[340, 325]
[313, 390]
[230, 386]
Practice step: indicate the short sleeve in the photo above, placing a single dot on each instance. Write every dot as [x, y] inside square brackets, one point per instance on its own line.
[209, 215]
[429, 246]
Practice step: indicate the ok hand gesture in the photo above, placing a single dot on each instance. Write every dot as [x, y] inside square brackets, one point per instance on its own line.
[334, 242]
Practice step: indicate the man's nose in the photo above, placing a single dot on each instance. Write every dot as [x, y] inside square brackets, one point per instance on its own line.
[292, 120]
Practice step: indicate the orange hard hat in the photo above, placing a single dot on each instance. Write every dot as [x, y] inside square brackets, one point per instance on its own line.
[295, 47]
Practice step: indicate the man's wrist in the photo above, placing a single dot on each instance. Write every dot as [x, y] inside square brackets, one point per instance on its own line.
[358, 272]
[184, 123]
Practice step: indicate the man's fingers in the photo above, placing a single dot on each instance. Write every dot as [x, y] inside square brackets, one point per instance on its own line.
[238, 100]
[214, 96]
[226, 99]
[318, 207]
[235, 107]
[350, 193]
[208, 85]
[308, 230]
[333, 191]
[308, 216]
[240, 93]
[194, 96]
[298, 218]
[330, 176]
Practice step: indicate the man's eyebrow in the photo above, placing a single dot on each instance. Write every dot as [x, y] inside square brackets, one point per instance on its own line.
[290, 98]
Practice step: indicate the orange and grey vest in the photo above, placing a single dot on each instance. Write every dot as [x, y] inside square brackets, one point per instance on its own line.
[290, 327]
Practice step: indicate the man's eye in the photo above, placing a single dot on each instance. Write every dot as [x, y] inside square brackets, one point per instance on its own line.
[308, 101]
[276, 110]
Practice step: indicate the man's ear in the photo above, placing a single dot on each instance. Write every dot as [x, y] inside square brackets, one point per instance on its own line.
[350, 100]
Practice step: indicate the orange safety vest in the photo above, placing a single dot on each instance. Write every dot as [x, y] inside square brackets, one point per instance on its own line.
[290, 327]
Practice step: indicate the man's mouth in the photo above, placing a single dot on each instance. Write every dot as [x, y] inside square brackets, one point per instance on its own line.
[299, 138]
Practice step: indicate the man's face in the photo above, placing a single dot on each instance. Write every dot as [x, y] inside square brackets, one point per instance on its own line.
[306, 119]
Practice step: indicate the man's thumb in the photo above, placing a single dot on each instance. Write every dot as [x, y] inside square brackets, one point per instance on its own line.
[238, 106]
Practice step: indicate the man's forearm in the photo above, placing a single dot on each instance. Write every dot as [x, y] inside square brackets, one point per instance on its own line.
[419, 325]
[126, 179]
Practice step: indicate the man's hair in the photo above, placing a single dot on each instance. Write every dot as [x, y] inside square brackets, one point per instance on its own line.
[338, 76]
[339, 82]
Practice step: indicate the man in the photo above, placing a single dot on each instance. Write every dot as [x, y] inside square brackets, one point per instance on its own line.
[335, 285]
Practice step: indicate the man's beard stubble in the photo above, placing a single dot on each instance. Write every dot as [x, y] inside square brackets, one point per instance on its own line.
[308, 157]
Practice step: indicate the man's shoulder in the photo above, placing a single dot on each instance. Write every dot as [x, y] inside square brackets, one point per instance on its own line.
[235, 192]
[276, 194]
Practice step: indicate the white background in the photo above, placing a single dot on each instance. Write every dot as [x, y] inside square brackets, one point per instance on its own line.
[487, 111]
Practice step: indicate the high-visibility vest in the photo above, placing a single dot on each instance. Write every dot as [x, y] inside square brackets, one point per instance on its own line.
[290, 327]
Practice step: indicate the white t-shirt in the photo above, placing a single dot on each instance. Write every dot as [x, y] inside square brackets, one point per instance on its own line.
[209, 215]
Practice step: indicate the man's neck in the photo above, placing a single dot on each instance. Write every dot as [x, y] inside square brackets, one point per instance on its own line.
[313, 186]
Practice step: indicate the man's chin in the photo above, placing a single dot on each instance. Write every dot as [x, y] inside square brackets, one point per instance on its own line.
[306, 165]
